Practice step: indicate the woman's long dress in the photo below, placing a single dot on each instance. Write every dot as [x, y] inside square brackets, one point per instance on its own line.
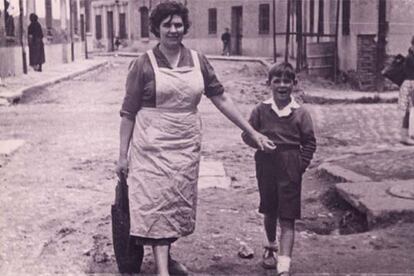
[36, 47]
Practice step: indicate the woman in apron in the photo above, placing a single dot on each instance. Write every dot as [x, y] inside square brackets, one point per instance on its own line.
[160, 134]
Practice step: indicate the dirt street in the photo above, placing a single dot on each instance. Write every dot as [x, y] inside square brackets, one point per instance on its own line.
[57, 189]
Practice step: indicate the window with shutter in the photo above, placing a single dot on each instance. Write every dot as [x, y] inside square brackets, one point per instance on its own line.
[98, 26]
[212, 21]
[122, 26]
[264, 18]
[144, 22]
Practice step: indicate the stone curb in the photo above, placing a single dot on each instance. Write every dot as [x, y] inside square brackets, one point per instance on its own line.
[342, 174]
[15, 96]
[366, 99]
[369, 197]
[213, 57]
[377, 203]
[244, 59]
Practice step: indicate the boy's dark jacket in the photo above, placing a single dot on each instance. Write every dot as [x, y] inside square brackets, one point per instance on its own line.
[294, 129]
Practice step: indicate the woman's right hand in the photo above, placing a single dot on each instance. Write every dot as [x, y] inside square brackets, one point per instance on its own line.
[268, 145]
[263, 142]
[122, 167]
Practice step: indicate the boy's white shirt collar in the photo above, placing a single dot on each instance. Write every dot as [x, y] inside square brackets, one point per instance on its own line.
[284, 111]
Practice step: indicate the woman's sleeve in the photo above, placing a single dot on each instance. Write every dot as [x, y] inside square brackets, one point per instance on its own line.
[133, 90]
[212, 85]
[254, 121]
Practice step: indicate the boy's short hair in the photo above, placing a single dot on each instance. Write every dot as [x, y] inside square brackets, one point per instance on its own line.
[284, 69]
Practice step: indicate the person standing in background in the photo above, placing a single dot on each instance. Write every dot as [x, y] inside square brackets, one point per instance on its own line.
[406, 95]
[226, 38]
[9, 20]
[36, 47]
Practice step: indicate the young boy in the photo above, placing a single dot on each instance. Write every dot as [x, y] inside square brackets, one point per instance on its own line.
[279, 167]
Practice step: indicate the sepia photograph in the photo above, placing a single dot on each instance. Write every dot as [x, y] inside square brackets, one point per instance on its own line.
[207, 137]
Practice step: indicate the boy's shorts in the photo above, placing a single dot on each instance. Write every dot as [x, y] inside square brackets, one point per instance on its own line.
[279, 177]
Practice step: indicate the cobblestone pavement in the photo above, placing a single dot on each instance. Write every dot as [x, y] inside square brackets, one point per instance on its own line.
[357, 124]
[344, 131]
[370, 133]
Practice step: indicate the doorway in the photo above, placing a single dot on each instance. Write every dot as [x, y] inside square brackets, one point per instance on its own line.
[236, 30]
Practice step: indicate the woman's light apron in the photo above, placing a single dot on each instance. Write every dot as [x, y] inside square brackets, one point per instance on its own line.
[165, 155]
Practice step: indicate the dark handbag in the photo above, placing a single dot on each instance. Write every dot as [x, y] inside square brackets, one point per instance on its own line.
[395, 71]
[128, 254]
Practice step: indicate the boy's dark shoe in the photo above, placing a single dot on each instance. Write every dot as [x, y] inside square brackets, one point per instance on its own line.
[176, 268]
[269, 258]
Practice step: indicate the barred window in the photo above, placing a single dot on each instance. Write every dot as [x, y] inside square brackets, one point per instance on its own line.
[321, 16]
[144, 22]
[122, 26]
[98, 26]
[49, 18]
[87, 16]
[75, 17]
[264, 18]
[212, 21]
[346, 17]
[311, 16]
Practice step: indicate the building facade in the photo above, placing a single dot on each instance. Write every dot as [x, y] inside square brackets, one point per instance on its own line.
[250, 23]
[65, 25]
[359, 33]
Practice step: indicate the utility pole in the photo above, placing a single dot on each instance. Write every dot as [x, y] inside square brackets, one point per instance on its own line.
[274, 32]
[299, 36]
[85, 18]
[83, 34]
[336, 57]
[72, 46]
[287, 32]
[22, 37]
[382, 35]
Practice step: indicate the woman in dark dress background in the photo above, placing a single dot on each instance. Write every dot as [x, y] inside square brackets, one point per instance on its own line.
[36, 47]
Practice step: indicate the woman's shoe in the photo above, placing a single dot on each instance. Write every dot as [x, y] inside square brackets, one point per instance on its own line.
[405, 138]
[407, 141]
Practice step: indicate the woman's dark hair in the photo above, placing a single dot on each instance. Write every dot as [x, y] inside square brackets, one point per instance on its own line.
[284, 69]
[165, 10]
[33, 17]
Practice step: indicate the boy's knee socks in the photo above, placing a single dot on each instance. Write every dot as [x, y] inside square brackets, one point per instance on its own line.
[283, 264]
